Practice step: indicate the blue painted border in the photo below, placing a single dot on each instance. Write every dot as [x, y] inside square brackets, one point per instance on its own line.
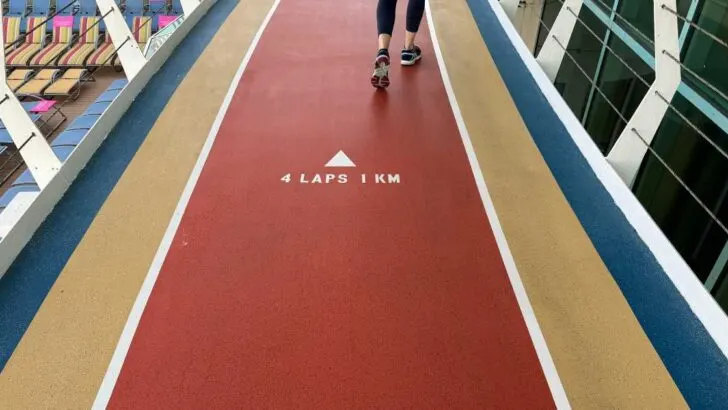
[691, 356]
[30, 278]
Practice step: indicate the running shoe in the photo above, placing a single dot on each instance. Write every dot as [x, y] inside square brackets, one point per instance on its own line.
[380, 77]
[411, 56]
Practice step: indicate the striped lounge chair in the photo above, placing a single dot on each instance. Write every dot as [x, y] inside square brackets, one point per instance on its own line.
[34, 40]
[39, 82]
[68, 85]
[103, 54]
[11, 30]
[86, 45]
[19, 77]
[142, 29]
[62, 36]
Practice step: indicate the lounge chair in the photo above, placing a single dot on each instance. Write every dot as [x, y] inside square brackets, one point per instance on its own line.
[68, 138]
[104, 55]
[19, 77]
[34, 39]
[17, 8]
[68, 84]
[83, 122]
[39, 82]
[108, 96]
[118, 85]
[62, 36]
[97, 108]
[41, 9]
[142, 30]
[86, 45]
[11, 31]
[177, 7]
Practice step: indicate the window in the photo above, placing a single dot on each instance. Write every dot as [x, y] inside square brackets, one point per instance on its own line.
[623, 89]
[585, 49]
[698, 238]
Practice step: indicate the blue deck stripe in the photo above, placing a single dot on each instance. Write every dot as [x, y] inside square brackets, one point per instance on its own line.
[30, 278]
[691, 356]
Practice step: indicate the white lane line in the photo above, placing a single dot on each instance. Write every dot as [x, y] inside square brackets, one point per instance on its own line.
[122, 348]
[539, 342]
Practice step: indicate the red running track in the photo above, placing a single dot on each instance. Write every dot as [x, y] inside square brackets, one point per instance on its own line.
[282, 294]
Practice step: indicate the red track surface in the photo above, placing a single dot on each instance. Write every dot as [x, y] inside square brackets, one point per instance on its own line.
[291, 295]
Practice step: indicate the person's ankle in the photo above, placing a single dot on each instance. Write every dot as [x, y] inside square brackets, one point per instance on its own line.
[383, 52]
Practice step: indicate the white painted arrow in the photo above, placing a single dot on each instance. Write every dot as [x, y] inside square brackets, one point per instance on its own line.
[340, 160]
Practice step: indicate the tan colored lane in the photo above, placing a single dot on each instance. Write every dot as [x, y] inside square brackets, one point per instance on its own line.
[62, 358]
[602, 354]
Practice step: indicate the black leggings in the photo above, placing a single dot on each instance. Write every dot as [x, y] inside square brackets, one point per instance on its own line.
[386, 11]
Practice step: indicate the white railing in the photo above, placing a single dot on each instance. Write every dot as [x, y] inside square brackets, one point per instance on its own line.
[162, 35]
[634, 142]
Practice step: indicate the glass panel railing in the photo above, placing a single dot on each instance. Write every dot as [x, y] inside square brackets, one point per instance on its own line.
[161, 36]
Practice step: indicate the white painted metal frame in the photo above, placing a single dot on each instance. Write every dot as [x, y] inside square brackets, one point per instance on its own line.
[510, 7]
[630, 149]
[31, 143]
[127, 49]
[188, 6]
[552, 54]
[706, 309]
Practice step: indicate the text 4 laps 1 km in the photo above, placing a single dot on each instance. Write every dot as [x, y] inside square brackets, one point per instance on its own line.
[341, 178]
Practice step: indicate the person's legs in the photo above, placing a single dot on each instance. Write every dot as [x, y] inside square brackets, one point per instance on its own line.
[411, 53]
[415, 11]
[386, 12]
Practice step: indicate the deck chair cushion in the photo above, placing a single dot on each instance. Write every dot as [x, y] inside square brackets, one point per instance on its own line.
[5, 137]
[11, 29]
[41, 7]
[17, 7]
[84, 122]
[108, 96]
[63, 152]
[142, 29]
[97, 108]
[68, 81]
[62, 35]
[118, 84]
[103, 54]
[39, 82]
[69, 138]
[18, 78]
[26, 178]
[33, 43]
[86, 45]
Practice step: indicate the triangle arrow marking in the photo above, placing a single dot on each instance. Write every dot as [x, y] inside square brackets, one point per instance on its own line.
[340, 160]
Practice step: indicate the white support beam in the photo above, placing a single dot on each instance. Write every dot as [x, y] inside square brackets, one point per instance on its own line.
[188, 6]
[30, 142]
[525, 18]
[131, 57]
[552, 54]
[510, 7]
[629, 150]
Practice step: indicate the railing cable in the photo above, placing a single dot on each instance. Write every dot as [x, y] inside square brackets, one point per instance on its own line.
[621, 116]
